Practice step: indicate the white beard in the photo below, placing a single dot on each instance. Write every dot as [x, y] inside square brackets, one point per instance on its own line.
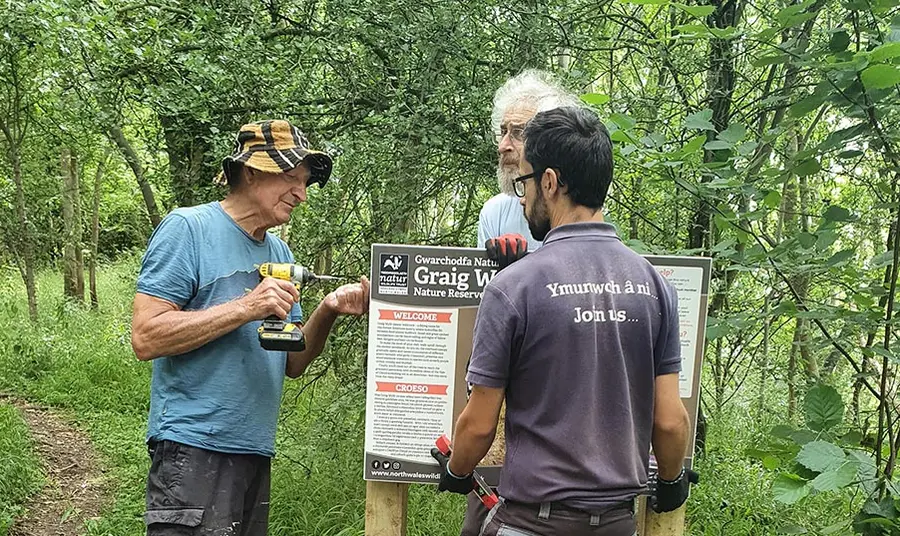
[505, 180]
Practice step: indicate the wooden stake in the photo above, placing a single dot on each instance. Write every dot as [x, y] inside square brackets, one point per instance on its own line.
[386, 508]
[649, 523]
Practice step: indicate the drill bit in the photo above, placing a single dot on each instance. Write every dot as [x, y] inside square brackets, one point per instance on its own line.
[330, 277]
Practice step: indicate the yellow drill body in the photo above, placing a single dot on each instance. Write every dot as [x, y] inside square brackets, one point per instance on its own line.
[274, 333]
[299, 275]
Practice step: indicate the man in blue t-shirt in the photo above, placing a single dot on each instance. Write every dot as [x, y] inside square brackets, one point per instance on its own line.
[215, 392]
[501, 220]
[581, 339]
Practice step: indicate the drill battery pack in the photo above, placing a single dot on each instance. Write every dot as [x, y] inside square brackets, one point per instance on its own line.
[278, 335]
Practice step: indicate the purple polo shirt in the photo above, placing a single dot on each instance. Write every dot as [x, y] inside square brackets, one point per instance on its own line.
[576, 332]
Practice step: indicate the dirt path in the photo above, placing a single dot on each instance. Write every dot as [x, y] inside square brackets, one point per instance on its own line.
[75, 487]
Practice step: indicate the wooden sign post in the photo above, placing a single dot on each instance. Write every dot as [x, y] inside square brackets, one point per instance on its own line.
[386, 508]
[649, 523]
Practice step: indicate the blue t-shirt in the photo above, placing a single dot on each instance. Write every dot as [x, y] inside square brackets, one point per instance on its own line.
[225, 395]
[504, 214]
[576, 333]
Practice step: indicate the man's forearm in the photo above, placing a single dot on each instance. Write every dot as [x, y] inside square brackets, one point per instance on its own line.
[178, 332]
[470, 445]
[670, 444]
[315, 331]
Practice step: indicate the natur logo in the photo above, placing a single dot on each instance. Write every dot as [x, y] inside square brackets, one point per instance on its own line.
[394, 276]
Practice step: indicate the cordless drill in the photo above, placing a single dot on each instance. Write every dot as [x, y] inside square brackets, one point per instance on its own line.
[277, 334]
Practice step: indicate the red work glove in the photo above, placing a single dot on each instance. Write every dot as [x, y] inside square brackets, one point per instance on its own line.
[506, 249]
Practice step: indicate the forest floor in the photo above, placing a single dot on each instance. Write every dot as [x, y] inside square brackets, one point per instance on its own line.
[75, 488]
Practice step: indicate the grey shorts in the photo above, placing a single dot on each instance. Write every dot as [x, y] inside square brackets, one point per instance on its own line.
[517, 519]
[197, 492]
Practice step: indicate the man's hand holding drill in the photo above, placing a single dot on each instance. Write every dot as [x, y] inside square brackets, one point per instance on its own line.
[271, 297]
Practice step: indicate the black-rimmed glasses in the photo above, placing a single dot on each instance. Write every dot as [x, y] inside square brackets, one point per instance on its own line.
[519, 183]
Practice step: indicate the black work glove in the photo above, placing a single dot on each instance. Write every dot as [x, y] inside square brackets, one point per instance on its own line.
[449, 482]
[670, 495]
[506, 249]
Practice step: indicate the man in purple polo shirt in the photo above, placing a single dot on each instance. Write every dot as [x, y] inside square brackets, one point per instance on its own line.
[581, 338]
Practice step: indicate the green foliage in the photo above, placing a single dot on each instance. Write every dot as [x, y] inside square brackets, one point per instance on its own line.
[818, 460]
[20, 472]
[763, 135]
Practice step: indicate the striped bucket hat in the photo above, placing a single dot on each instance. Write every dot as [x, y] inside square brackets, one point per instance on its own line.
[275, 146]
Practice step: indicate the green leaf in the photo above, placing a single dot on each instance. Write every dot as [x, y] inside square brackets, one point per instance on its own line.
[821, 456]
[792, 529]
[839, 41]
[882, 260]
[852, 438]
[772, 199]
[717, 145]
[836, 213]
[782, 430]
[699, 120]
[847, 155]
[596, 99]
[884, 353]
[824, 408]
[770, 462]
[699, 12]
[789, 488]
[623, 121]
[840, 137]
[620, 136]
[692, 30]
[785, 14]
[840, 257]
[638, 246]
[807, 168]
[724, 33]
[885, 52]
[694, 145]
[734, 133]
[839, 527]
[863, 301]
[880, 76]
[797, 20]
[747, 148]
[770, 60]
[807, 240]
[866, 473]
[714, 332]
[802, 437]
[835, 479]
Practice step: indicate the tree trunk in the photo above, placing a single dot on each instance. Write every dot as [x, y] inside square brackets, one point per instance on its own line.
[190, 168]
[95, 228]
[764, 361]
[26, 246]
[118, 137]
[73, 277]
[633, 217]
[792, 373]
[720, 87]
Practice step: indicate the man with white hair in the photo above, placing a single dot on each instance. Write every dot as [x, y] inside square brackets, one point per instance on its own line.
[502, 228]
